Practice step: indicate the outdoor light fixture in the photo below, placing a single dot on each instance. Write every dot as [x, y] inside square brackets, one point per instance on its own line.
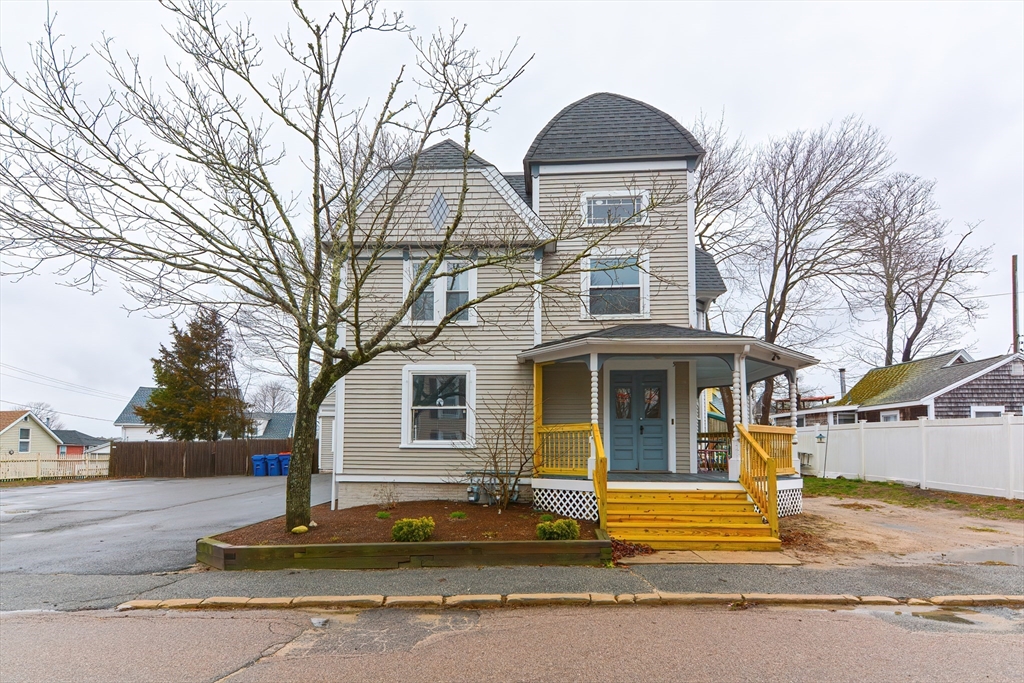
[820, 438]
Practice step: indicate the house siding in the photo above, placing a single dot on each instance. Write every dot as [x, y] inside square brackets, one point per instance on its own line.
[40, 443]
[665, 239]
[373, 392]
[995, 388]
[566, 393]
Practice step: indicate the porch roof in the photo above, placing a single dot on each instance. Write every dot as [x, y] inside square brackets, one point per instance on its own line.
[712, 351]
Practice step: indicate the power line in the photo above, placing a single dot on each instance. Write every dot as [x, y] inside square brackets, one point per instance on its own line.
[62, 381]
[59, 412]
[56, 386]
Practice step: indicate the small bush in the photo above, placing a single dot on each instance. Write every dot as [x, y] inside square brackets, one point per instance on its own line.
[412, 530]
[458, 514]
[561, 530]
[547, 518]
[383, 514]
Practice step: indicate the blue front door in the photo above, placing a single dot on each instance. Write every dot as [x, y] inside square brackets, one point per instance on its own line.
[639, 421]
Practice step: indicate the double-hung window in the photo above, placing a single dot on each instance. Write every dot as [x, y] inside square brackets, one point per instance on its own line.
[987, 411]
[620, 207]
[437, 405]
[24, 440]
[616, 285]
[449, 290]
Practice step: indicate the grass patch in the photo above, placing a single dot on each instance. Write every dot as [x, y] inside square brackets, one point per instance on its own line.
[913, 497]
[383, 514]
[458, 514]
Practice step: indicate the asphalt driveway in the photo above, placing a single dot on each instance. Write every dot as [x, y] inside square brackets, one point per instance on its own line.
[134, 526]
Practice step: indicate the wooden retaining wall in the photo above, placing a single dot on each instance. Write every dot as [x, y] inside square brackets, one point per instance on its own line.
[397, 555]
[191, 458]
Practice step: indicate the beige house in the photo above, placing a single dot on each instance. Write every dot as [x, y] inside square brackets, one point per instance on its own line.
[613, 356]
[22, 434]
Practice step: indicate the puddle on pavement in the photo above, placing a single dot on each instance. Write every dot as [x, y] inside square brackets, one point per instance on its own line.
[994, 619]
[1008, 555]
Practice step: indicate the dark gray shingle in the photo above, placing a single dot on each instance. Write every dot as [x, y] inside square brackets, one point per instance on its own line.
[128, 416]
[446, 154]
[73, 437]
[518, 183]
[708, 281]
[606, 126]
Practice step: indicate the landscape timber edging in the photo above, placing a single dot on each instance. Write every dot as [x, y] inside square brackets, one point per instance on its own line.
[221, 555]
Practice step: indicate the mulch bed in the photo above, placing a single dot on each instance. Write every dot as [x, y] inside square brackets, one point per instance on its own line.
[360, 525]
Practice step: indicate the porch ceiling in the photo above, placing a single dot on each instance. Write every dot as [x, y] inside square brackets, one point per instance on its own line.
[713, 352]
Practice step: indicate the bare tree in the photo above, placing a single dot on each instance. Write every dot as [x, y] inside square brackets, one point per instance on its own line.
[911, 271]
[262, 191]
[504, 447]
[804, 183]
[47, 413]
[722, 213]
[273, 397]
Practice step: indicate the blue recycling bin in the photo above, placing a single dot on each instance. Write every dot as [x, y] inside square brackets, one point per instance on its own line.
[273, 465]
[285, 459]
[259, 465]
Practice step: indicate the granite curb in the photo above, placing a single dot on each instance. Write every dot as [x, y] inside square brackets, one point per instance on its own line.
[478, 601]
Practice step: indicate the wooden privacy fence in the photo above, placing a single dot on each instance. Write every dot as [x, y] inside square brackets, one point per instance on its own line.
[191, 458]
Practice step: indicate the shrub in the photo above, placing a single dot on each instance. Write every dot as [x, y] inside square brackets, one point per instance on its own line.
[412, 530]
[458, 514]
[383, 514]
[547, 518]
[561, 530]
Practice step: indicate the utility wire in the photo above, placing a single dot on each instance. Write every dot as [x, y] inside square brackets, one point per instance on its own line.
[59, 412]
[90, 394]
[62, 381]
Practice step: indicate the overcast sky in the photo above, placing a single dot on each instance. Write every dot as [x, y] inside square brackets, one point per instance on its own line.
[944, 81]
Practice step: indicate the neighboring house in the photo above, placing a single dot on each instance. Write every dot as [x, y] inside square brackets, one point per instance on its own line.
[619, 361]
[22, 434]
[75, 443]
[266, 425]
[950, 385]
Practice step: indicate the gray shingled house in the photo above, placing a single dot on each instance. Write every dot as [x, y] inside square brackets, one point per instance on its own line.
[614, 357]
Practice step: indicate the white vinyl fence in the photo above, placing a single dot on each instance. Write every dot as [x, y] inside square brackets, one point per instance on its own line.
[53, 467]
[984, 456]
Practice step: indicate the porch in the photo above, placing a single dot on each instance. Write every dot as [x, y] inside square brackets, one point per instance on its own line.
[639, 465]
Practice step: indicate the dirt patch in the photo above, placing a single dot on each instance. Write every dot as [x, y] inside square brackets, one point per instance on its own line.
[833, 531]
[361, 525]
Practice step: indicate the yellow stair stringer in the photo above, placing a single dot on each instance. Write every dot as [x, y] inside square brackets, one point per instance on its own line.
[688, 520]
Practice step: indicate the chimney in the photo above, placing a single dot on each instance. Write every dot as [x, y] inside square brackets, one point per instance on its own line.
[47, 422]
[842, 382]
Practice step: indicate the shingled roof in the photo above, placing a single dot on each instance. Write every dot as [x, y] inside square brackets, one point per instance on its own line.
[128, 416]
[914, 380]
[707, 280]
[446, 154]
[605, 126]
[73, 437]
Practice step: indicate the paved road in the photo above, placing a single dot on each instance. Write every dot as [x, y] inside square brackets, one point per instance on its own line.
[538, 644]
[132, 526]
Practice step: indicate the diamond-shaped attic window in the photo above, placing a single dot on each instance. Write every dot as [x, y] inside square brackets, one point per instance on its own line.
[438, 211]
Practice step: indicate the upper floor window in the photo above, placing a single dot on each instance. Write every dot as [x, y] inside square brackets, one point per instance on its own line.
[443, 295]
[616, 285]
[615, 208]
[24, 440]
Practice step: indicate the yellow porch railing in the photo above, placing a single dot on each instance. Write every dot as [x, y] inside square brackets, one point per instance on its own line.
[757, 474]
[777, 442]
[562, 449]
[600, 478]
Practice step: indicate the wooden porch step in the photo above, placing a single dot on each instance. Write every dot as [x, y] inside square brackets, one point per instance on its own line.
[679, 530]
[682, 507]
[763, 543]
[689, 517]
[673, 496]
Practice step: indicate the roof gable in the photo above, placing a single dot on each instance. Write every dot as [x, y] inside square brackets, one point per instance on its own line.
[446, 154]
[9, 418]
[128, 416]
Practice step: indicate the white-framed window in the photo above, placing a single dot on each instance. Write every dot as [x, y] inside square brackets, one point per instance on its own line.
[889, 416]
[445, 294]
[24, 440]
[987, 411]
[615, 207]
[616, 284]
[438, 405]
[845, 418]
[62, 450]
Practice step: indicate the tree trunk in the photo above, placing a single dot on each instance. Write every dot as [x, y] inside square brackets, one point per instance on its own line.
[727, 404]
[300, 470]
[766, 402]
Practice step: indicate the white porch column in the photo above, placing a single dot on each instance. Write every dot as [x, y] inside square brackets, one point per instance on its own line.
[792, 419]
[594, 411]
[744, 390]
[737, 400]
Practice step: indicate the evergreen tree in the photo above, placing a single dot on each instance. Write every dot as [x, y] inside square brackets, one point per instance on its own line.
[197, 395]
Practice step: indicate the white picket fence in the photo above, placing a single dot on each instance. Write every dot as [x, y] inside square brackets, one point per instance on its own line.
[53, 467]
[983, 456]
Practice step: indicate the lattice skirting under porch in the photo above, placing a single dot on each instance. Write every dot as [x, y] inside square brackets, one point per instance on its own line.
[575, 504]
[791, 501]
